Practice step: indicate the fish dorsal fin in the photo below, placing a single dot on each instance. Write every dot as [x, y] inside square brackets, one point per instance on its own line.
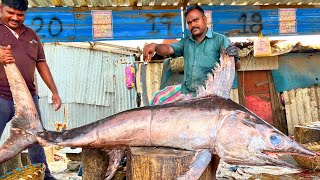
[220, 84]
[25, 109]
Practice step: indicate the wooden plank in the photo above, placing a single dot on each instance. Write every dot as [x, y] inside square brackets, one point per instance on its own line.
[259, 63]
[317, 101]
[300, 106]
[313, 103]
[143, 86]
[153, 78]
[288, 112]
[278, 113]
[294, 110]
[138, 78]
[306, 104]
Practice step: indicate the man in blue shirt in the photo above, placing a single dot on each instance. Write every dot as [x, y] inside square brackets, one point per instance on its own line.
[201, 50]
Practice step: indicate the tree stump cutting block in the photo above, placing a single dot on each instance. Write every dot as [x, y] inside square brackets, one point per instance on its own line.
[160, 163]
[94, 164]
[307, 133]
[309, 136]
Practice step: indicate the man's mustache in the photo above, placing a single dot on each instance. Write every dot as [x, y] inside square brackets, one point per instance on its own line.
[194, 28]
[14, 21]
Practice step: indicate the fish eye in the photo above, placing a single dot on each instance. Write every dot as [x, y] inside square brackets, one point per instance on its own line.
[275, 140]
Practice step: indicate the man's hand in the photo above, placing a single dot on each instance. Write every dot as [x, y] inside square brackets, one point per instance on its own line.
[56, 101]
[232, 50]
[148, 52]
[6, 56]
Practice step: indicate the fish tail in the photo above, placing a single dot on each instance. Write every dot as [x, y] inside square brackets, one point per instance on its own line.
[26, 115]
[18, 141]
[50, 138]
[26, 122]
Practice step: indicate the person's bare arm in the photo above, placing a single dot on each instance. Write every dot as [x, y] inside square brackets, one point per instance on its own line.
[45, 74]
[161, 49]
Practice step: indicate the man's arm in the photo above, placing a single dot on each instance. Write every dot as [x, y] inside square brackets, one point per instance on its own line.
[45, 74]
[161, 49]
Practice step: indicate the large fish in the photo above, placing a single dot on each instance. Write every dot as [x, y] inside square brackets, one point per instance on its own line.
[209, 124]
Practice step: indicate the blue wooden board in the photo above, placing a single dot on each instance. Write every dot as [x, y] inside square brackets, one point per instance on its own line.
[62, 24]
[52, 24]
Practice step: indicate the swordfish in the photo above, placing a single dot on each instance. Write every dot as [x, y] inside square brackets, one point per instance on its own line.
[208, 124]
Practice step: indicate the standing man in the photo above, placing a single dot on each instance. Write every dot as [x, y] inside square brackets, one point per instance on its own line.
[201, 50]
[21, 45]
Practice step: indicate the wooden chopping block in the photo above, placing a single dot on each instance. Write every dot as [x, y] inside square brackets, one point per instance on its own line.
[160, 163]
[94, 164]
[309, 136]
[307, 133]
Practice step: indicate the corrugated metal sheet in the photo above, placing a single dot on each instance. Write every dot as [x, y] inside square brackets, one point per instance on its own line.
[91, 85]
[113, 3]
[302, 106]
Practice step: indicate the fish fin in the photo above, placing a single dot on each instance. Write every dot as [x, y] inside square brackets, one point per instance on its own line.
[199, 164]
[115, 157]
[221, 83]
[25, 110]
[18, 141]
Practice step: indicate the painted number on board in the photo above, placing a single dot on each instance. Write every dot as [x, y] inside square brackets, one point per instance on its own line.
[251, 23]
[158, 20]
[54, 27]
